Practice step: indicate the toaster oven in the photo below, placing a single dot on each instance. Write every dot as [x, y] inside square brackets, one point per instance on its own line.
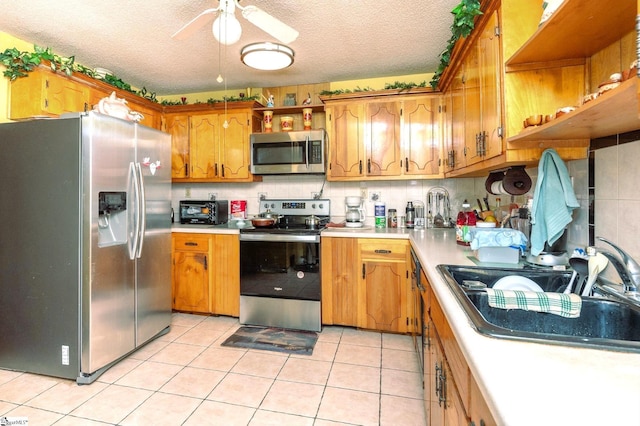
[205, 212]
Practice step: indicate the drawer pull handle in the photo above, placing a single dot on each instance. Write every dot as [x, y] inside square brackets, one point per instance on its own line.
[383, 251]
[191, 243]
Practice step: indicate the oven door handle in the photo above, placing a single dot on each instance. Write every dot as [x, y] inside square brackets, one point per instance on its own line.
[280, 238]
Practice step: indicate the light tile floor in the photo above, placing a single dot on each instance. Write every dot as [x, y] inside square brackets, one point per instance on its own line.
[186, 378]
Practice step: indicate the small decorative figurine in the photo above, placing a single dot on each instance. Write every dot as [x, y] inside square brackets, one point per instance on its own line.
[308, 100]
[269, 99]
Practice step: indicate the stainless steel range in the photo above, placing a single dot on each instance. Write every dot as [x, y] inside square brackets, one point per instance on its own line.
[280, 265]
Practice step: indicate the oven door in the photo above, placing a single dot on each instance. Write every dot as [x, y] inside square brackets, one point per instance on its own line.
[280, 266]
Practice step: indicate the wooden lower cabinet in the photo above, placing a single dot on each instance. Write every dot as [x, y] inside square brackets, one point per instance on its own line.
[339, 263]
[451, 394]
[191, 260]
[365, 283]
[206, 273]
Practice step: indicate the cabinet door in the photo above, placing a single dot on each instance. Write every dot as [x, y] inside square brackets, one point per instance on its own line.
[226, 275]
[234, 146]
[178, 127]
[191, 260]
[44, 92]
[384, 285]
[346, 140]
[491, 105]
[339, 281]
[457, 158]
[478, 408]
[472, 130]
[382, 139]
[421, 136]
[64, 95]
[203, 145]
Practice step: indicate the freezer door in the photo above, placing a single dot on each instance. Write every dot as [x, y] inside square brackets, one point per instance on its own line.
[108, 282]
[153, 263]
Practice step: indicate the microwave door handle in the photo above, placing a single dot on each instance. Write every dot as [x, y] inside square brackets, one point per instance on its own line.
[308, 142]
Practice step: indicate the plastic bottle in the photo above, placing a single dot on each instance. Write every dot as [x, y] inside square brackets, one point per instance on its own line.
[410, 215]
[380, 216]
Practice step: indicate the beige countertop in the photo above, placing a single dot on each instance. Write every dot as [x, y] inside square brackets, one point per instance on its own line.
[523, 383]
[529, 383]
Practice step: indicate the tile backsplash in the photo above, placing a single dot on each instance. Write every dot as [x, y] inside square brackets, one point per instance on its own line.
[607, 207]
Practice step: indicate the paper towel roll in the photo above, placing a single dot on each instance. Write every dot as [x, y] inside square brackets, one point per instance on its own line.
[497, 188]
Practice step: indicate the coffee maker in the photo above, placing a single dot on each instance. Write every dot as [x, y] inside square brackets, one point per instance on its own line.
[354, 212]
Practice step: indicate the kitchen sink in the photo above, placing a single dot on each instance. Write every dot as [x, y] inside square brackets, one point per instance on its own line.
[603, 323]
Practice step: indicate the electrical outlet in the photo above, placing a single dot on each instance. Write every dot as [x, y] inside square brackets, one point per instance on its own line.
[364, 194]
[187, 192]
[375, 196]
[213, 196]
[262, 195]
[315, 195]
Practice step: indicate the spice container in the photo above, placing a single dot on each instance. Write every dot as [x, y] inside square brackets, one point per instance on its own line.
[392, 219]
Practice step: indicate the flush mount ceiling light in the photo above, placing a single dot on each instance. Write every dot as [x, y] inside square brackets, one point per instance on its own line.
[226, 28]
[267, 56]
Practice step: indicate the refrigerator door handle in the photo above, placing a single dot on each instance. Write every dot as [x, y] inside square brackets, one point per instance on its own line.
[133, 205]
[133, 223]
[142, 211]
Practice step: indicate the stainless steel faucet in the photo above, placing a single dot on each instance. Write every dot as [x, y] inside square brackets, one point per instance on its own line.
[628, 269]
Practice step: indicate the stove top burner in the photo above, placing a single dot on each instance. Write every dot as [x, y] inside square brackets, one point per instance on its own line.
[293, 215]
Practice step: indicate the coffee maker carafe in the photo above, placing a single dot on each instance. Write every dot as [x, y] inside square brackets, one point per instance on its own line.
[354, 212]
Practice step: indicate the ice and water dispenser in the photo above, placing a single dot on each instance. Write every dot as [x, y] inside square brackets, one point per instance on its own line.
[112, 218]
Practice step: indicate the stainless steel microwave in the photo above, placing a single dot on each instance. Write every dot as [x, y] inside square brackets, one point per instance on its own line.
[281, 153]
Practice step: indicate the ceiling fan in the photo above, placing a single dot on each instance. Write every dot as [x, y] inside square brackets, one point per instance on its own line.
[226, 28]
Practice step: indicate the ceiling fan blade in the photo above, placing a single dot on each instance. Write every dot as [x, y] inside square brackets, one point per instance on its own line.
[195, 24]
[269, 24]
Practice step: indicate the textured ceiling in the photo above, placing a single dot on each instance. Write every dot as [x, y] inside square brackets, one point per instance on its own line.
[339, 39]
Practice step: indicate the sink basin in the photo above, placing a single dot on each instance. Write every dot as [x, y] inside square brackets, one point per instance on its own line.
[603, 323]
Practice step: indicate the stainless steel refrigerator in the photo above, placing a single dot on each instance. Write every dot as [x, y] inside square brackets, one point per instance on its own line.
[85, 248]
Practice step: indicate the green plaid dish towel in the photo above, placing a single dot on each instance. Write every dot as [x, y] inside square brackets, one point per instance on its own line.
[565, 305]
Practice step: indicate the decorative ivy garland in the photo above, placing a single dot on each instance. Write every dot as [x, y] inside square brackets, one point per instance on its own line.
[19, 64]
[463, 23]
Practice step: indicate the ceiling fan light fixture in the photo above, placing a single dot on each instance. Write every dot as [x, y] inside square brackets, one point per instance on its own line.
[226, 28]
[267, 56]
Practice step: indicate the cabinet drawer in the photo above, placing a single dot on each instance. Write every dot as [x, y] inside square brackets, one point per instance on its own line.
[382, 249]
[191, 242]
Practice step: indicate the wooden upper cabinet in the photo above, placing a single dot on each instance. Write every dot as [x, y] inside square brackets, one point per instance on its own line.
[391, 137]
[177, 125]
[204, 145]
[210, 144]
[489, 62]
[345, 126]
[382, 138]
[45, 93]
[422, 136]
[234, 146]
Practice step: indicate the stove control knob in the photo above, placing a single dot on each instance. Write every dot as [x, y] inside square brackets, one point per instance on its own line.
[313, 206]
[321, 206]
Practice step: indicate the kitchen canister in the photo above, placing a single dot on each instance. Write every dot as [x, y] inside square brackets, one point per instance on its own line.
[268, 121]
[380, 214]
[286, 123]
[392, 219]
[307, 114]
